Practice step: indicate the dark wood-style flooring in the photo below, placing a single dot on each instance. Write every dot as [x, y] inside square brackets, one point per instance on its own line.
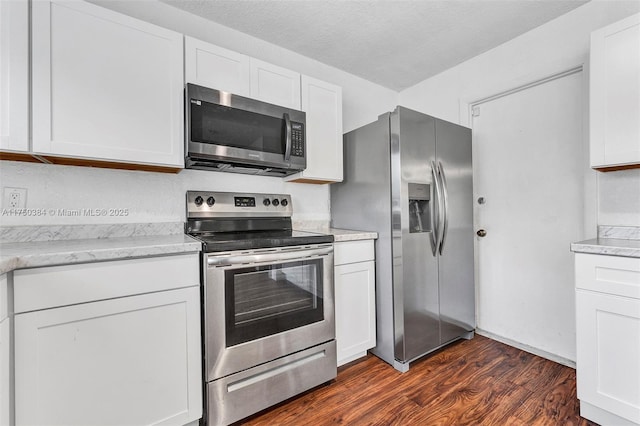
[471, 382]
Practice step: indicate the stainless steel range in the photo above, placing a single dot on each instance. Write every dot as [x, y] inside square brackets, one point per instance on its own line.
[268, 310]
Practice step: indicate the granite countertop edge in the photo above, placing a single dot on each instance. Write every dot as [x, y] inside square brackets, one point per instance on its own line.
[608, 247]
[21, 255]
[341, 235]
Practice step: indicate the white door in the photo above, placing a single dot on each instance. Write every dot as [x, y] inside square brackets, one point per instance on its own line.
[529, 164]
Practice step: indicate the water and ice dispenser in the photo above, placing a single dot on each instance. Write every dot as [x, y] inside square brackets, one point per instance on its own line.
[419, 209]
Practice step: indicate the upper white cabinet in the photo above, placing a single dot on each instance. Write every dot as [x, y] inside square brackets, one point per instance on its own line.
[322, 103]
[615, 94]
[212, 66]
[105, 86]
[14, 75]
[274, 84]
[218, 68]
[608, 338]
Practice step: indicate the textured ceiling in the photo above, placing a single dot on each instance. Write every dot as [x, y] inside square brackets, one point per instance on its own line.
[395, 43]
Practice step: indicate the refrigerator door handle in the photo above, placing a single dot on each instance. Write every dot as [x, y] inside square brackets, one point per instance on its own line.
[436, 207]
[445, 202]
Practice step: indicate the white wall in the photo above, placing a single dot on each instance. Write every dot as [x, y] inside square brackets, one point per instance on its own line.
[158, 197]
[554, 47]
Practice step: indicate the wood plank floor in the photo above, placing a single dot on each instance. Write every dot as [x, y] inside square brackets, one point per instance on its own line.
[471, 382]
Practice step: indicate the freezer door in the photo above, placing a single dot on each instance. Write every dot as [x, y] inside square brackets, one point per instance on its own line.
[415, 272]
[455, 263]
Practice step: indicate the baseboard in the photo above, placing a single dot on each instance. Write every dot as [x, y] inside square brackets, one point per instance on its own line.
[527, 348]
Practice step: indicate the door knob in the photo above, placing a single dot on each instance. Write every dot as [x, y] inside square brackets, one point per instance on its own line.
[481, 233]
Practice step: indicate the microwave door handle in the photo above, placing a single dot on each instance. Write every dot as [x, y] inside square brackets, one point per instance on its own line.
[287, 149]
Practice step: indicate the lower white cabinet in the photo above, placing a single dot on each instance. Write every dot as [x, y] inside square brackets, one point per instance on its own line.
[608, 338]
[355, 300]
[130, 360]
[5, 372]
[5, 354]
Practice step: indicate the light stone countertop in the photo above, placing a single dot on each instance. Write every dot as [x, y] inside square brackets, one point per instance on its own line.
[612, 241]
[33, 247]
[340, 235]
[608, 246]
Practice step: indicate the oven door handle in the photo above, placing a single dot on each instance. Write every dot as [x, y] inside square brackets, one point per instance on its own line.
[237, 259]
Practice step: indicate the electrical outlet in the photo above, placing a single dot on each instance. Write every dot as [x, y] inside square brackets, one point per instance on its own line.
[14, 198]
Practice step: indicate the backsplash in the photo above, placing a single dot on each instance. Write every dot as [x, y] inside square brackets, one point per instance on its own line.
[619, 232]
[67, 195]
[619, 198]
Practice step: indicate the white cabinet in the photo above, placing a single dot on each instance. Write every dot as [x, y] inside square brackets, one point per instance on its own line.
[322, 103]
[355, 300]
[275, 85]
[105, 86]
[615, 94]
[5, 354]
[14, 76]
[215, 67]
[117, 357]
[218, 68]
[608, 338]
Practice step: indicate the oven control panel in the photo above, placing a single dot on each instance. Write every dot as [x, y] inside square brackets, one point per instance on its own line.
[201, 204]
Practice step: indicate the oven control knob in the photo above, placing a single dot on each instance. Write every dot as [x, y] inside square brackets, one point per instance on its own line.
[275, 202]
[266, 202]
[199, 200]
[284, 202]
[211, 201]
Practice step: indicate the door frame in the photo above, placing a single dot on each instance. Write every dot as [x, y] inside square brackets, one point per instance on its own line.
[466, 105]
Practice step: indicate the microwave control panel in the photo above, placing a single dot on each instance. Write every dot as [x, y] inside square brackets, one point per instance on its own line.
[297, 139]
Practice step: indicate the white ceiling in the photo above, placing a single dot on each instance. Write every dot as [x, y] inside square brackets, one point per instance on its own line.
[395, 43]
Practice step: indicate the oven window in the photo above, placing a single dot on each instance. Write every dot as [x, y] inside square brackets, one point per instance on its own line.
[266, 300]
[223, 125]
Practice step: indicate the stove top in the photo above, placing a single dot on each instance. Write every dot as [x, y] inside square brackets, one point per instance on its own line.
[226, 221]
[255, 240]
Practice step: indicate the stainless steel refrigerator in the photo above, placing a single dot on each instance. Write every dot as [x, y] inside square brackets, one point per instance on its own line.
[408, 176]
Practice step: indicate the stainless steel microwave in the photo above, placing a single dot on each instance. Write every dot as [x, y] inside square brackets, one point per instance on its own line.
[231, 133]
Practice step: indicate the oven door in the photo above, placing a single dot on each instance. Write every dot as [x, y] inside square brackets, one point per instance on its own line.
[264, 304]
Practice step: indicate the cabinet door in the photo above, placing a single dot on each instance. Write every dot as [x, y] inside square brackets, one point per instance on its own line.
[323, 104]
[14, 75]
[615, 94]
[273, 84]
[105, 86]
[215, 67]
[355, 310]
[5, 372]
[608, 353]
[133, 360]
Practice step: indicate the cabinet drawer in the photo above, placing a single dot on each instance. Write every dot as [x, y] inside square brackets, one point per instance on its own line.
[353, 251]
[43, 288]
[608, 274]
